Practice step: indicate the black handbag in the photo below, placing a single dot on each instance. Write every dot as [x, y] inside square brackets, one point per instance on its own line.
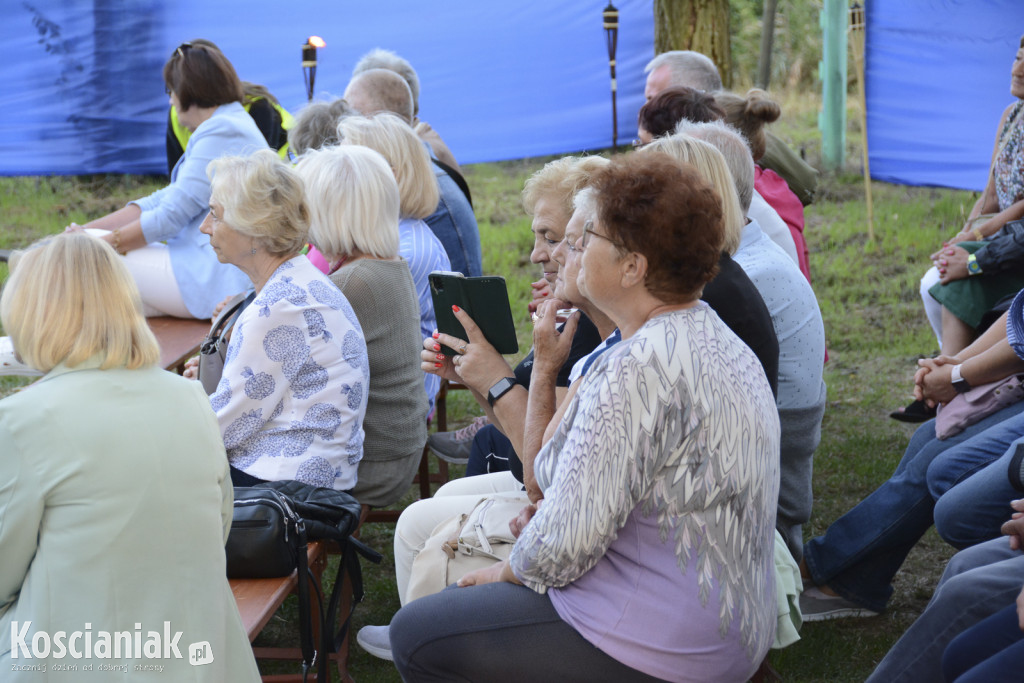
[272, 525]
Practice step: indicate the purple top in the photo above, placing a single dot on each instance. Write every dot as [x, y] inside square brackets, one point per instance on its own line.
[656, 534]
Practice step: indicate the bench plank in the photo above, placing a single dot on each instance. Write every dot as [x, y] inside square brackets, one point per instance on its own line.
[179, 339]
[258, 599]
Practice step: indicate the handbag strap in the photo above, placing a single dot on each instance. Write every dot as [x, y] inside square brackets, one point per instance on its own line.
[225, 320]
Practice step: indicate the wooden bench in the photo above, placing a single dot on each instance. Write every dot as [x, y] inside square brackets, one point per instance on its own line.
[179, 339]
[259, 599]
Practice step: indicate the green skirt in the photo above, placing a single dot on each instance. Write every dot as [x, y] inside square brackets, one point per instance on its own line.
[970, 298]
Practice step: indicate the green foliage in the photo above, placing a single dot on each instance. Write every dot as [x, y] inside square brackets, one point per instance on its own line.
[796, 45]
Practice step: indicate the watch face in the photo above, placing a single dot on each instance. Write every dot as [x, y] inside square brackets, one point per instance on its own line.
[500, 388]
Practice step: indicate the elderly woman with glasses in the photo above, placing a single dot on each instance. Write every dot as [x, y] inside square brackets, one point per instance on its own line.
[651, 555]
[115, 497]
[176, 270]
[293, 394]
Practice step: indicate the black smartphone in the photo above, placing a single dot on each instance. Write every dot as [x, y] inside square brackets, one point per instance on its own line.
[484, 299]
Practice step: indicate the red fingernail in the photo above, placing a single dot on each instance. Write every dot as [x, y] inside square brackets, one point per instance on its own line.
[436, 335]
[437, 365]
[437, 347]
[456, 308]
[440, 356]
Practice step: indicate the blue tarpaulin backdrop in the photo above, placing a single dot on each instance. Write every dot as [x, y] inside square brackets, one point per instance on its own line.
[81, 88]
[938, 79]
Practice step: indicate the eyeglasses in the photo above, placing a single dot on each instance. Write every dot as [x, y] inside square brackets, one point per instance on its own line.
[588, 230]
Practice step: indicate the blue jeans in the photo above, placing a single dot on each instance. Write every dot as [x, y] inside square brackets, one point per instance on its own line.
[970, 511]
[862, 550]
[492, 452]
[455, 225]
[977, 583]
[988, 652]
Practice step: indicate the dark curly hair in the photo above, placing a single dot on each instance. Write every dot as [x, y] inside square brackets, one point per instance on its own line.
[660, 115]
[663, 209]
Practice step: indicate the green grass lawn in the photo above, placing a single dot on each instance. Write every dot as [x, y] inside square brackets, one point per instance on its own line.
[874, 324]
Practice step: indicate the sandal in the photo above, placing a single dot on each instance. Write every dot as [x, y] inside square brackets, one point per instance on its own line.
[915, 412]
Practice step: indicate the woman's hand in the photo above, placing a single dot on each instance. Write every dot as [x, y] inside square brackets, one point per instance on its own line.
[435, 362]
[493, 574]
[951, 262]
[1015, 527]
[551, 347]
[220, 307]
[74, 227]
[476, 363]
[519, 522]
[541, 291]
[191, 368]
[933, 382]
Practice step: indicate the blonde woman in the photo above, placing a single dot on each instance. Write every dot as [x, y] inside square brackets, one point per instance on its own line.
[292, 396]
[353, 203]
[115, 497]
[418, 195]
[722, 157]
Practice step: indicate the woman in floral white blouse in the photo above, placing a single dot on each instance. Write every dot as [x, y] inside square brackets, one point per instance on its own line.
[293, 393]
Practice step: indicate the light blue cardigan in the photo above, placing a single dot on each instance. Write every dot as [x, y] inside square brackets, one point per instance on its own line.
[174, 213]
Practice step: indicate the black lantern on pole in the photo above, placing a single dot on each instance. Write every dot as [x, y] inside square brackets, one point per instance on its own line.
[309, 63]
[611, 30]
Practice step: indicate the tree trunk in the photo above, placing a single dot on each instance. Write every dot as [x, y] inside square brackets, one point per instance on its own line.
[699, 25]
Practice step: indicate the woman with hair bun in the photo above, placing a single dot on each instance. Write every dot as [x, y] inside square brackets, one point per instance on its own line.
[750, 114]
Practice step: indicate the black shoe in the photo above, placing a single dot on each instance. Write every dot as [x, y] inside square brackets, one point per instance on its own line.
[917, 411]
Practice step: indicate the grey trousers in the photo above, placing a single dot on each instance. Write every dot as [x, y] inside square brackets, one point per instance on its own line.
[977, 583]
[801, 434]
[496, 633]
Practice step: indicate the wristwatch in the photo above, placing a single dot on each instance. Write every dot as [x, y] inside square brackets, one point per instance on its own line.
[973, 268]
[500, 388]
[959, 383]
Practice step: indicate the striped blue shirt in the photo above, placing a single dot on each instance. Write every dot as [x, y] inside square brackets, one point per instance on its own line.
[424, 253]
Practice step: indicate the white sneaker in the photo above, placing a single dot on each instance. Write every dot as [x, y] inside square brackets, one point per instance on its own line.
[376, 640]
[10, 365]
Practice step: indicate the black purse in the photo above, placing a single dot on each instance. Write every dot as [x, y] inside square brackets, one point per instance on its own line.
[272, 525]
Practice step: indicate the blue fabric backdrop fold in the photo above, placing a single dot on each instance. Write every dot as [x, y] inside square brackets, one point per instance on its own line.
[81, 90]
[938, 79]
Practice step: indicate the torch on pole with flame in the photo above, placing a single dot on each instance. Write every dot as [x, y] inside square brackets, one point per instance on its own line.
[611, 29]
[309, 63]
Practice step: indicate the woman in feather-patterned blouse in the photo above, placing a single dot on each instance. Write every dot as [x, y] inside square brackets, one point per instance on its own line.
[651, 554]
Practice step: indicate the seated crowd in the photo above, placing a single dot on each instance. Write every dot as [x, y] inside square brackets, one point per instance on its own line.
[654, 447]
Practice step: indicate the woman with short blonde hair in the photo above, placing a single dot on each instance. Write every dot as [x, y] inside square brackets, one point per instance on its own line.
[711, 165]
[353, 201]
[53, 320]
[418, 196]
[410, 162]
[116, 499]
[264, 202]
[292, 395]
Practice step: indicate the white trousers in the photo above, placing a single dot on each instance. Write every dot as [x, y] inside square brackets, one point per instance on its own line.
[418, 521]
[151, 269]
[932, 308]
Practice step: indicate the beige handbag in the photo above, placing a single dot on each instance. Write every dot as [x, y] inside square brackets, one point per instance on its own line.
[464, 543]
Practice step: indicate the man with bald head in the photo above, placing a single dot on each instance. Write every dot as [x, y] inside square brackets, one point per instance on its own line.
[695, 70]
[377, 90]
[380, 90]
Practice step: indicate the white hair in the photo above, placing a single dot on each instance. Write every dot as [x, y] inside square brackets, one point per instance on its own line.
[689, 68]
[733, 147]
